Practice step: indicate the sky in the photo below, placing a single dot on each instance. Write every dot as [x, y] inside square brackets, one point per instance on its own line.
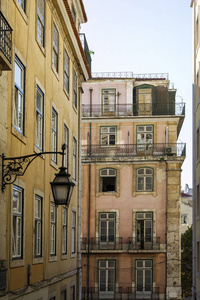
[144, 36]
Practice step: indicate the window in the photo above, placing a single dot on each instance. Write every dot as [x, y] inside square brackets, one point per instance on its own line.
[19, 96]
[64, 295]
[109, 100]
[108, 180]
[107, 224]
[73, 14]
[144, 179]
[17, 238]
[143, 277]
[73, 232]
[39, 118]
[55, 48]
[184, 219]
[106, 278]
[22, 3]
[65, 220]
[53, 230]
[74, 158]
[66, 142]
[73, 295]
[66, 71]
[144, 229]
[40, 21]
[38, 226]
[75, 90]
[108, 135]
[54, 134]
[144, 137]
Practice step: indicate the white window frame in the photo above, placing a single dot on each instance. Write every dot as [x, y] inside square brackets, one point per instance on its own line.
[106, 270]
[184, 219]
[147, 219]
[108, 172]
[73, 250]
[144, 137]
[141, 179]
[141, 271]
[41, 22]
[74, 158]
[39, 119]
[53, 219]
[22, 3]
[18, 220]
[55, 48]
[38, 225]
[105, 134]
[109, 100]
[107, 221]
[75, 93]
[66, 71]
[66, 142]
[54, 134]
[64, 231]
[19, 100]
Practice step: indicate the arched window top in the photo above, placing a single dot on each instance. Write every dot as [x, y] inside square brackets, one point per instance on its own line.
[108, 172]
[145, 171]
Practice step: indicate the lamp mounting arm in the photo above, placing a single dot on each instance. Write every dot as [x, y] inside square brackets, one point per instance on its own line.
[17, 166]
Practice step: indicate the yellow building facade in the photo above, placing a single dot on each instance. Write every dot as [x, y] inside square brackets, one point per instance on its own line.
[41, 89]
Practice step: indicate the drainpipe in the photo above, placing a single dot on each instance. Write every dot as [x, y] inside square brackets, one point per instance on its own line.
[88, 252]
[90, 101]
[89, 196]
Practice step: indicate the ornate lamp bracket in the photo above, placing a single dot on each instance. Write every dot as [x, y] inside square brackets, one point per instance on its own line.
[17, 166]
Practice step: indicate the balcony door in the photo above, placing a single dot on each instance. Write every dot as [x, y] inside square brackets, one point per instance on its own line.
[107, 222]
[143, 279]
[108, 101]
[144, 229]
[106, 279]
[144, 137]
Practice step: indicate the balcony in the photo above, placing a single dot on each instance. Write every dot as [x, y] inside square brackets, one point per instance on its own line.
[120, 244]
[130, 110]
[151, 293]
[153, 244]
[122, 293]
[96, 293]
[5, 44]
[86, 49]
[134, 150]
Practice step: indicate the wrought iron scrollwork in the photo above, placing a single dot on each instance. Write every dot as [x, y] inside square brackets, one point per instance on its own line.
[12, 167]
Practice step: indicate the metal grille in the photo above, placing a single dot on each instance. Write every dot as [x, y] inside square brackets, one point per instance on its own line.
[163, 76]
[85, 48]
[5, 37]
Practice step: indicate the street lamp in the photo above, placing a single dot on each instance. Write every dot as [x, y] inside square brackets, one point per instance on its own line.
[62, 186]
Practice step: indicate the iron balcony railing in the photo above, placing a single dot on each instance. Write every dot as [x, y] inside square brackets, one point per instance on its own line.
[5, 38]
[86, 49]
[140, 109]
[106, 243]
[140, 292]
[118, 293]
[134, 150]
[161, 76]
[111, 292]
[142, 244]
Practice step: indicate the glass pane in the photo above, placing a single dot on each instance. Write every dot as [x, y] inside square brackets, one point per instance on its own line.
[139, 280]
[111, 280]
[112, 140]
[149, 171]
[102, 263]
[104, 140]
[18, 75]
[140, 171]
[112, 172]
[102, 280]
[104, 129]
[103, 172]
[112, 129]
[40, 9]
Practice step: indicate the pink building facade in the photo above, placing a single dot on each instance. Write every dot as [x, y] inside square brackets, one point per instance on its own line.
[131, 171]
